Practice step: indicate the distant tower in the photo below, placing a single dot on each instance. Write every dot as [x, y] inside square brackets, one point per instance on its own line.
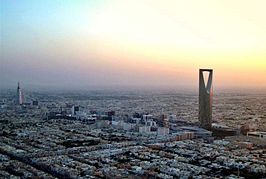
[205, 99]
[74, 110]
[19, 98]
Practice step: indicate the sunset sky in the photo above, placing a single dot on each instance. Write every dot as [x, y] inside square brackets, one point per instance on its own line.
[132, 43]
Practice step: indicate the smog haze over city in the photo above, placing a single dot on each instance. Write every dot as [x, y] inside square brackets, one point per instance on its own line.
[88, 44]
[133, 89]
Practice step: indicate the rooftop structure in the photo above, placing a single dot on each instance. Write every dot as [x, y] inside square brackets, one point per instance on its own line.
[261, 135]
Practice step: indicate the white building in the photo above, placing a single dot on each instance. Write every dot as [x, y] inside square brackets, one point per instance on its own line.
[144, 129]
[162, 131]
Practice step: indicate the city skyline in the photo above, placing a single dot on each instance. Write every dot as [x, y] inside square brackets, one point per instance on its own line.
[133, 89]
[151, 44]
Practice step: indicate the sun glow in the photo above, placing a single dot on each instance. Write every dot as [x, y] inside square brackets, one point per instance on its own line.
[169, 39]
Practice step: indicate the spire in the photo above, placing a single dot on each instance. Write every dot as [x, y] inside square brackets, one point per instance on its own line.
[19, 95]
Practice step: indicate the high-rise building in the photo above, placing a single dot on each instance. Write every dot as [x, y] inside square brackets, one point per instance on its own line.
[19, 98]
[205, 99]
[74, 110]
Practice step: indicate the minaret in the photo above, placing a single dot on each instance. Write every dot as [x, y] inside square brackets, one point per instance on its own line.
[19, 95]
[205, 99]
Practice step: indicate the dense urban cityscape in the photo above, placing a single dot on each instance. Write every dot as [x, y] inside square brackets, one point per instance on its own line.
[132, 89]
[121, 134]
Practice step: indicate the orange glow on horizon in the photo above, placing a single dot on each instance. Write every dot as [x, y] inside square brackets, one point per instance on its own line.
[149, 41]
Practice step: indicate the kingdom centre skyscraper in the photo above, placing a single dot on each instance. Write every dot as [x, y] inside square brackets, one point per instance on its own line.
[205, 99]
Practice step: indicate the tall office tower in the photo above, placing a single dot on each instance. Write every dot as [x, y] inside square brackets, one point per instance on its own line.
[205, 99]
[74, 110]
[19, 95]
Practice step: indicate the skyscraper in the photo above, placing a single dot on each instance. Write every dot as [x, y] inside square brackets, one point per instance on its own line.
[74, 110]
[205, 99]
[19, 98]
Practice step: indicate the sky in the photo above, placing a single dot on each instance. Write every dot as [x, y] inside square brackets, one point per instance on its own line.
[87, 44]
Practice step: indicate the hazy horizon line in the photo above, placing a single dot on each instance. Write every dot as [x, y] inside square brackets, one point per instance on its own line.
[128, 88]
